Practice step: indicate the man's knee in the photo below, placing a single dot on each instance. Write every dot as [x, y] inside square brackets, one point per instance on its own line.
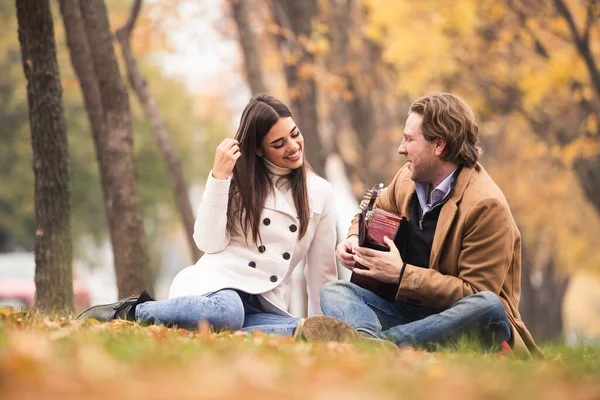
[496, 317]
[492, 314]
[335, 296]
[335, 289]
[490, 304]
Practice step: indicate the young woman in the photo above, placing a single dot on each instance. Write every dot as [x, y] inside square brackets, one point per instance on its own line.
[263, 211]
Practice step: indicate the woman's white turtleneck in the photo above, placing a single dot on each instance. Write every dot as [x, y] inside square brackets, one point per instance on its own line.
[275, 169]
[278, 175]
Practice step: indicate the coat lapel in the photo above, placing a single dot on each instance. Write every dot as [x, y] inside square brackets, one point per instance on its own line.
[410, 188]
[447, 214]
[277, 202]
[316, 199]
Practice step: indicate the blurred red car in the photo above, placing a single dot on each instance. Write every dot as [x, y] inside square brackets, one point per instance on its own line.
[17, 283]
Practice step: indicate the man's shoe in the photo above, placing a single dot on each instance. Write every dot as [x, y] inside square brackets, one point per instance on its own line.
[328, 329]
[298, 329]
[123, 309]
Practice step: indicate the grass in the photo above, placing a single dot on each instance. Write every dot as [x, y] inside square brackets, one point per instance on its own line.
[51, 358]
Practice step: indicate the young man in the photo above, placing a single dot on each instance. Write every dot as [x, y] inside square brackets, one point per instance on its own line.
[461, 273]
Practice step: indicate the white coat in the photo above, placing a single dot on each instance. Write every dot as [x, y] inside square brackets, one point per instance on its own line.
[264, 268]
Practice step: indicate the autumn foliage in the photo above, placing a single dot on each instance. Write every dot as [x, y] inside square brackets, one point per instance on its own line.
[43, 357]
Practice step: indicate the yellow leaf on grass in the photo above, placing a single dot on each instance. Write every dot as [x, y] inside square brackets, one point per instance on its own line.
[7, 311]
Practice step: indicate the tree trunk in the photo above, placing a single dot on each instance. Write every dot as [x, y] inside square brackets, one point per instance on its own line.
[542, 295]
[296, 17]
[249, 47]
[588, 169]
[340, 20]
[588, 173]
[94, 60]
[53, 245]
[363, 83]
[160, 131]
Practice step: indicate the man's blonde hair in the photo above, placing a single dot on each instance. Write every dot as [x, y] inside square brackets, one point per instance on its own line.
[448, 117]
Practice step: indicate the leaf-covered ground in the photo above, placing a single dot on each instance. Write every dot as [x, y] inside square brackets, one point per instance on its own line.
[65, 359]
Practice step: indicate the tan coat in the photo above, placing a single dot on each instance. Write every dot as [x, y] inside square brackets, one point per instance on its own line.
[476, 247]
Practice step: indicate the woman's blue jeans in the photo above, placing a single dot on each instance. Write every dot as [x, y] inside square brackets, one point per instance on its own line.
[226, 309]
[480, 315]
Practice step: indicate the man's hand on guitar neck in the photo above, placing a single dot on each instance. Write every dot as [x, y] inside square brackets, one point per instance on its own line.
[345, 252]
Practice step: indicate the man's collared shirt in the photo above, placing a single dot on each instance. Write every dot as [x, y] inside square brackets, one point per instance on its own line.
[438, 194]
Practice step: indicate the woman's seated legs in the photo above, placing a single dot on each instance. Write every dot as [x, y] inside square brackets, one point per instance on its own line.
[257, 319]
[223, 310]
[270, 323]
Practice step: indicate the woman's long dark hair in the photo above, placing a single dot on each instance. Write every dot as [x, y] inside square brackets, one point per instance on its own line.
[251, 184]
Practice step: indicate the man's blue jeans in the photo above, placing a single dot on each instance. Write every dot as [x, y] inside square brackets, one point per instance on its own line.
[481, 314]
[224, 310]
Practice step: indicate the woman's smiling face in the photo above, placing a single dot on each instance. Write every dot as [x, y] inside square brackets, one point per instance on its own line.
[283, 145]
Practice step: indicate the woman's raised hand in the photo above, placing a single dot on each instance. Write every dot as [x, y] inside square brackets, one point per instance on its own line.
[225, 157]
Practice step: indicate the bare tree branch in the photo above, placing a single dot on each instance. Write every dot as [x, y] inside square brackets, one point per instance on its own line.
[589, 19]
[94, 60]
[297, 17]
[287, 35]
[159, 129]
[583, 45]
[128, 26]
[539, 46]
[249, 47]
[566, 13]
